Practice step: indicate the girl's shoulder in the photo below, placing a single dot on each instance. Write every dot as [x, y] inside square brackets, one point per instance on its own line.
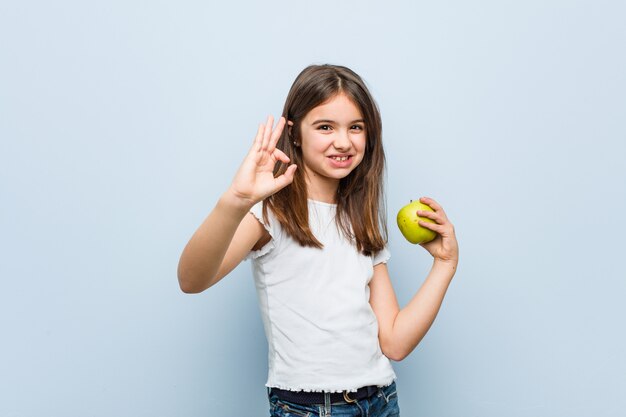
[272, 229]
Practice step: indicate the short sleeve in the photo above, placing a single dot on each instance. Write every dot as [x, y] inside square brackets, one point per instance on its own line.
[271, 226]
[381, 256]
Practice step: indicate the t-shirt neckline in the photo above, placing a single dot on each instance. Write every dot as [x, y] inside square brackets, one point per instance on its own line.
[321, 203]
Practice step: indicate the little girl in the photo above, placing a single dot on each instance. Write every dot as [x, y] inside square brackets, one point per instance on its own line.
[306, 206]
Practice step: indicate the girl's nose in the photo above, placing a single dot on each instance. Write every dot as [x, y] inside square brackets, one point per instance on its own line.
[342, 141]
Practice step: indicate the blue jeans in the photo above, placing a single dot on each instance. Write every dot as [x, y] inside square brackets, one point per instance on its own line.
[382, 404]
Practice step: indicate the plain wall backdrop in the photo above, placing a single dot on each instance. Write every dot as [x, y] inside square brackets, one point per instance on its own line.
[122, 122]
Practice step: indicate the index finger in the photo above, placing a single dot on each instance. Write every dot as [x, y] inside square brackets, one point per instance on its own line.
[430, 202]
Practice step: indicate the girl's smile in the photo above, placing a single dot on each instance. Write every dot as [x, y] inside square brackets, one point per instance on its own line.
[341, 161]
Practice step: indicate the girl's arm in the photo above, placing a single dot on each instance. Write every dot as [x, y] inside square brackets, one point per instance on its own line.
[229, 232]
[219, 245]
[400, 330]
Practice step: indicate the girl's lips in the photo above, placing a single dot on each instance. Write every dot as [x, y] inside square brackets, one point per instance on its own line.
[340, 164]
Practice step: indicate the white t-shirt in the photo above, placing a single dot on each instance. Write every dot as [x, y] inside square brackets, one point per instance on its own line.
[321, 330]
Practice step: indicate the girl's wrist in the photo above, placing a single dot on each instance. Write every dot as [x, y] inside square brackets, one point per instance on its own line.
[441, 272]
[234, 202]
[447, 262]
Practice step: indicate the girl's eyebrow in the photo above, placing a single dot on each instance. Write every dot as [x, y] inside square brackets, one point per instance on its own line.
[332, 121]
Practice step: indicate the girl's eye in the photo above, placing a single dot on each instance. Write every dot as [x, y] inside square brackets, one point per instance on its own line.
[329, 127]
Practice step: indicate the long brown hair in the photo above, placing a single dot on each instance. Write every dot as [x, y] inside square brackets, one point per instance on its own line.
[361, 213]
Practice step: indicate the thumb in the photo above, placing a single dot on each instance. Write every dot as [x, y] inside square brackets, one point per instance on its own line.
[287, 178]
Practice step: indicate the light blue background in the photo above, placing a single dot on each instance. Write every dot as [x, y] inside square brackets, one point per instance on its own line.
[121, 123]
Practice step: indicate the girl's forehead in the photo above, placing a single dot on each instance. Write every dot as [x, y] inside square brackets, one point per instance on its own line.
[338, 106]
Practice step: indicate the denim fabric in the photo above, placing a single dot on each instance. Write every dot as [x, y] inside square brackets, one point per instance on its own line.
[382, 404]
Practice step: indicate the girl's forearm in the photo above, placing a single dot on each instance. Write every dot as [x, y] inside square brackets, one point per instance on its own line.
[414, 320]
[203, 254]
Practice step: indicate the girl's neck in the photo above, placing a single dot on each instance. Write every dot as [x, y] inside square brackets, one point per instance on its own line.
[324, 190]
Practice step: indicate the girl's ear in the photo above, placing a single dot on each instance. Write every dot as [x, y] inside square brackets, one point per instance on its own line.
[289, 133]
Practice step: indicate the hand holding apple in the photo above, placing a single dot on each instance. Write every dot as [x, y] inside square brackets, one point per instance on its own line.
[408, 222]
[424, 222]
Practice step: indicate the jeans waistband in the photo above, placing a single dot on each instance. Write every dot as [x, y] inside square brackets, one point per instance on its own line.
[310, 398]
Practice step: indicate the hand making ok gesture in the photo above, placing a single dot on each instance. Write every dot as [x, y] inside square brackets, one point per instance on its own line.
[255, 180]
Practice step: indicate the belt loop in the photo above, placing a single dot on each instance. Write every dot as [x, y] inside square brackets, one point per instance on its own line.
[327, 404]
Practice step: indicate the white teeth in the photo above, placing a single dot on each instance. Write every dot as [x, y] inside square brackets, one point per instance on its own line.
[339, 158]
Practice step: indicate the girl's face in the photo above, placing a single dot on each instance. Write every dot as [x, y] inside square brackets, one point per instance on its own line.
[333, 139]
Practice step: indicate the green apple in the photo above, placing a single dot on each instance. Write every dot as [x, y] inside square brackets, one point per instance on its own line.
[407, 222]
